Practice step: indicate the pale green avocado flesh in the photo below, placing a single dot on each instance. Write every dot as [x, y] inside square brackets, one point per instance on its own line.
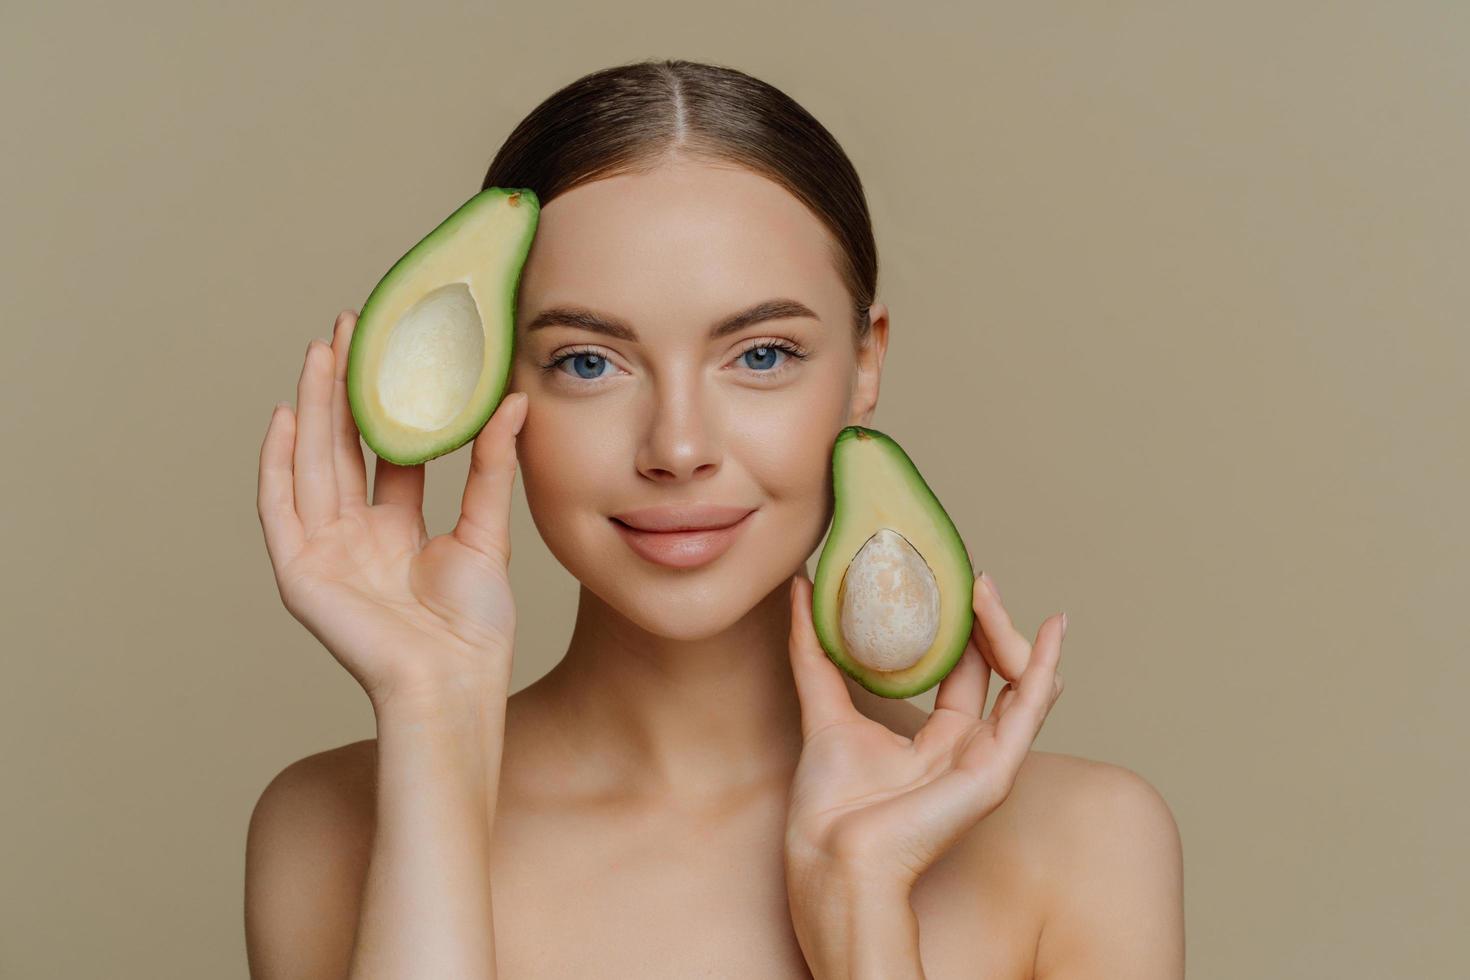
[877, 486]
[431, 352]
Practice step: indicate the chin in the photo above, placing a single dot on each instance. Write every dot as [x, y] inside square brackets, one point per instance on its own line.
[686, 610]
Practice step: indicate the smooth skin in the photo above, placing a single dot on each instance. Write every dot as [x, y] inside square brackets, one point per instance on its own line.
[655, 805]
[890, 804]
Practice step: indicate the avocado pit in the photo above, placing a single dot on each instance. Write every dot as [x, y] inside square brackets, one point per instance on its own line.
[889, 600]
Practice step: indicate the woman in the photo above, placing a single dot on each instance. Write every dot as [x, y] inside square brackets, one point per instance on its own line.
[695, 789]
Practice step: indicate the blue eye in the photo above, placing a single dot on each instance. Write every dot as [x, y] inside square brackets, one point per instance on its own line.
[584, 359]
[587, 363]
[761, 358]
[767, 355]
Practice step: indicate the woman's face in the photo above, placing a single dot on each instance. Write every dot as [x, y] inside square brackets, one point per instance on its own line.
[677, 417]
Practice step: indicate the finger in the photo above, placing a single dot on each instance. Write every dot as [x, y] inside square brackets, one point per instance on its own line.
[394, 484]
[1008, 650]
[346, 445]
[977, 633]
[275, 499]
[819, 684]
[965, 687]
[316, 478]
[988, 580]
[1020, 721]
[484, 513]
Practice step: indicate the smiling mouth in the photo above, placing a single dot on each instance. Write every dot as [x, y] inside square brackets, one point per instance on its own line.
[681, 549]
[682, 530]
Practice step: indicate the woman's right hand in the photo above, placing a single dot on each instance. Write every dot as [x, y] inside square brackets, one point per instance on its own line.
[404, 613]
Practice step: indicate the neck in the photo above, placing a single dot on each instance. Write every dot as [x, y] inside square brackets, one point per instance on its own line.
[649, 716]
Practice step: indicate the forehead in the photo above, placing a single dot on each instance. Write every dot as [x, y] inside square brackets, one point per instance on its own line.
[683, 244]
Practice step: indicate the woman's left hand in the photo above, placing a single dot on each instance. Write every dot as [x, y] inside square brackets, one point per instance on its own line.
[870, 805]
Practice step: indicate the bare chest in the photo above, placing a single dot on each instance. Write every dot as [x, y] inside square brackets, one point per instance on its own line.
[680, 896]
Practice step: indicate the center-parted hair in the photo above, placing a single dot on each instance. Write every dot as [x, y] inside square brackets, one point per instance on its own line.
[627, 119]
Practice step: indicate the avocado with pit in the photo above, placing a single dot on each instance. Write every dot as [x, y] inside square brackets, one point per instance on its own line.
[431, 352]
[892, 597]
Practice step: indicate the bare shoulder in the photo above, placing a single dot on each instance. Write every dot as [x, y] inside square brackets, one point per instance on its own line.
[1104, 853]
[306, 855]
[1059, 783]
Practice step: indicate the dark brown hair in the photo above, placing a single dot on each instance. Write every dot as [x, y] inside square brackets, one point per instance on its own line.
[631, 117]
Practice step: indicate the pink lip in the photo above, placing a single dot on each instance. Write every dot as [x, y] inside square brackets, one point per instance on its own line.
[682, 549]
[690, 517]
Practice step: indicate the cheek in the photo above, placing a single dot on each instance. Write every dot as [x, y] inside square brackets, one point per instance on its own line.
[564, 458]
[565, 475]
[786, 434]
[564, 484]
[787, 441]
[791, 464]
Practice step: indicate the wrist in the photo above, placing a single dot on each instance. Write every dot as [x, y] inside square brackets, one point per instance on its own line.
[428, 697]
[450, 741]
[854, 926]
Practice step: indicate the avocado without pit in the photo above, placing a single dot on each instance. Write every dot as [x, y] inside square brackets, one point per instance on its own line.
[891, 600]
[431, 352]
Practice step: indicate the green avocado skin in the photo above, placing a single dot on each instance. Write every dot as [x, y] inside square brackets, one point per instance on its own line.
[401, 270]
[953, 570]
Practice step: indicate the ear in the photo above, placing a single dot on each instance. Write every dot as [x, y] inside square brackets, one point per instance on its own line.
[869, 367]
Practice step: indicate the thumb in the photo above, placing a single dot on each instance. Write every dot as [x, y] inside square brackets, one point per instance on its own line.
[819, 684]
[484, 516]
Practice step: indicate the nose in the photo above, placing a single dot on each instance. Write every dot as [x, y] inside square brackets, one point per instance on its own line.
[678, 442]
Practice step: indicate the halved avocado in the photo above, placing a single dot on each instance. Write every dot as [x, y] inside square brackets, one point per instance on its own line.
[891, 600]
[432, 348]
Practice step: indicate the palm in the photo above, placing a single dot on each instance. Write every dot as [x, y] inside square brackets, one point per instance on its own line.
[856, 781]
[386, 599]
[400, 585]
[863, 793]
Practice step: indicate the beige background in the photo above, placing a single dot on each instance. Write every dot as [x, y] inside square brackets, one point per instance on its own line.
[1179, 301]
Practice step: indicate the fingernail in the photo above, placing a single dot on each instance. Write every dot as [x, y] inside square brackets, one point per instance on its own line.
[281, 405]
[990, 583]
[524, 410]
[1064, 624]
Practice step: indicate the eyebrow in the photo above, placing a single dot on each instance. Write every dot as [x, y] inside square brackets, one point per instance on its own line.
[585, 319]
